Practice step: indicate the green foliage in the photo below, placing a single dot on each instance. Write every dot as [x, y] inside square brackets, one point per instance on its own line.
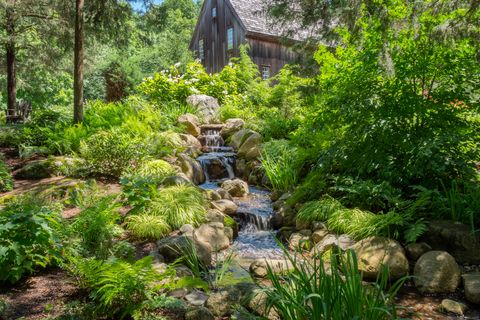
[96, 227]
[29, 237]
[282, 165]
[118, 287]
[150, 227]
[178, 205]
[6, 180]
[357, 223]
[310, 291]
[110, 152]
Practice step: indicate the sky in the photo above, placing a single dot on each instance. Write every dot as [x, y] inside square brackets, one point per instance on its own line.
[139, 6]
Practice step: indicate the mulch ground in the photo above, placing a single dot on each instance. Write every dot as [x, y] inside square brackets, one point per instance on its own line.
[40, 296]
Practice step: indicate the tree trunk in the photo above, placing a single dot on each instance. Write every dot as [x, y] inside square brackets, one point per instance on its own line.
[79, 61]
[11, 63]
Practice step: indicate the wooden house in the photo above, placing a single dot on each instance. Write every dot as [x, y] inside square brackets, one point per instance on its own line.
[224, 25]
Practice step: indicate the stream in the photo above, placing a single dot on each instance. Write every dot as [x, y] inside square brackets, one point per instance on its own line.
[256, 237]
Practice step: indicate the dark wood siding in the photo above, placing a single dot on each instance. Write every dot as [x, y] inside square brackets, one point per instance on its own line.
[264, 50]
[213, 31]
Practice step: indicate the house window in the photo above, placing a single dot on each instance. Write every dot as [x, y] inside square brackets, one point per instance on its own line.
[265, 72]
[214, 12]
[229, 38]
[201, 50]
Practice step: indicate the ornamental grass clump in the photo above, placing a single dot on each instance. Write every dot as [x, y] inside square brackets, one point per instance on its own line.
[314, 292]
[145, 226]
[178, 205]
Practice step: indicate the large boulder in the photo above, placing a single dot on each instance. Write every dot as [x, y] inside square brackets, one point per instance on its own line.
[213, 233]
[225, 301]
[226, 206]
[214, 215]
[236, 187]
[172, 248]
[207, 107]
[455, 238]
[319, 235]
[258, 304]
[375, 252]
[240, 137]
[189, 141]
[180, 179]
[298, 241]
[191, 124]
[191, 168]
[471, 283]
[251, 147]
[436, 272]
[231, 126]
[416, 250]
[259, 267]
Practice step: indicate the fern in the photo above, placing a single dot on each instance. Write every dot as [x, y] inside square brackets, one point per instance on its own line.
[415, 231]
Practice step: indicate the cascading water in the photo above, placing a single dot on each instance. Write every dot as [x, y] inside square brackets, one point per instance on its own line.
[255, 239]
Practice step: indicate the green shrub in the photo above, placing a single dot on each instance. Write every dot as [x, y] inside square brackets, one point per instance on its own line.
[109, 153]
[149, 227]
[29, 237]
[6, 180]
[178, 205]
[310, 291]
[96, 227]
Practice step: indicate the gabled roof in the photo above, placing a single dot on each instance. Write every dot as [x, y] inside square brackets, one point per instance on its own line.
[253, 16]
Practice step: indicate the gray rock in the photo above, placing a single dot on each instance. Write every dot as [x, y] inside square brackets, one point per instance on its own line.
[213, 195]
[251, 147]
[189, 141]
[436, 272]
[258, 304]
[224, 194]
[416, 250]
[191, 124]
[259, 267]
[213, 234]
[239, 138]
[196, 298]
[214, 215]
[298, 241]
[375, 252]
[236, 187]
[299, 224]
[199, 313]
[331, 241]
[225, 206]
[207, 107]
[229, 232]
[177, 180]
[223, 302]
[455, 238]
[187, 229]
[471, 283]
[172, 248]
[178, 293]
[317, 225]
[319, 235]
[191, 168]
[231, 126]
[453, 307]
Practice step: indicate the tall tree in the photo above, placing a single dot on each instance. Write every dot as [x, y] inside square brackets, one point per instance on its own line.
[79, 61]
[11, 58]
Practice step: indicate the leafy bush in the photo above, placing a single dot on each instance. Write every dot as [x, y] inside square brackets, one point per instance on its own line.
[29, 237]
[178, 205]
[6, 180]
[96, 227]
[110, 152]
[310, 291]
[144, 226]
